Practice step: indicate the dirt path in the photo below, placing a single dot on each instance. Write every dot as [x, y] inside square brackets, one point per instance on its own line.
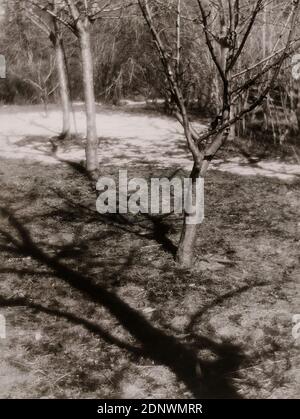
[125, 137]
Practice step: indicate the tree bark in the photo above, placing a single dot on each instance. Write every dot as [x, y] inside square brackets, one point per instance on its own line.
[92, 163]
[232, 132]
[295, 94]
[63, 87]
[185, 252]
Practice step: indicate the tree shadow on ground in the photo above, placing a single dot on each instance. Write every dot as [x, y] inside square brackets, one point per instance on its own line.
[218, 301]
[152, 227]
[202, 378]
[157, 229]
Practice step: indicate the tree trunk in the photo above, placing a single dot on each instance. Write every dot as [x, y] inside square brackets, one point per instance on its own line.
[295, 95]
[92, 164]
[232, 132]
[63, 87]
[265, 31]
[185, 252]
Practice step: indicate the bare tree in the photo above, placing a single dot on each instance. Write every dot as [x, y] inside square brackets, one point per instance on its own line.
[78, 17]
[226, 27]
[75, 17]
[81, 23]
[51, 27]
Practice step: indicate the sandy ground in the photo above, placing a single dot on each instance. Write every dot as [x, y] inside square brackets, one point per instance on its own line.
[126, 137]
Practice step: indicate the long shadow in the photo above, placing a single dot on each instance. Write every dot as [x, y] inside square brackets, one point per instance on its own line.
[201, 378]
[158, 231]
[92, 327]
[153, 228]
[218, 301]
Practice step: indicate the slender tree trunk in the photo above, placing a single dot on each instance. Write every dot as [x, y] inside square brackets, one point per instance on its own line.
[63, 87]
[265, 31]
[92, 164]
[295, 107]
[185, 252]
[232, 132]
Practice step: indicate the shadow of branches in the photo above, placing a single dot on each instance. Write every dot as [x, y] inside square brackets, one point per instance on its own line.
[202, 378]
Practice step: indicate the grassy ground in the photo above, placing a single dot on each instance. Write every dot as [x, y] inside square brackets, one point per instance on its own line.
[96, 306]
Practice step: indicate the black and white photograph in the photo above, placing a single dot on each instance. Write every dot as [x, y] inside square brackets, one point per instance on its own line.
[149, 202]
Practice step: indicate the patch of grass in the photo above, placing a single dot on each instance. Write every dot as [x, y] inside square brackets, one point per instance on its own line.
[238, 294]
